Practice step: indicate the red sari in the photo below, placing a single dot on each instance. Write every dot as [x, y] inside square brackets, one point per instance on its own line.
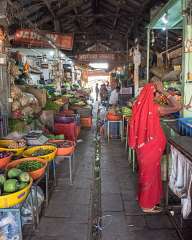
[147, 138]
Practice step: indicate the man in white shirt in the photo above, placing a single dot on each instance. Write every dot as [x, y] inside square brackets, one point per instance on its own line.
[114, 97]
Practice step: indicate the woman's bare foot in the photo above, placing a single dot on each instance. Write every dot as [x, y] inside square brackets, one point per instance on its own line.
[155, 209]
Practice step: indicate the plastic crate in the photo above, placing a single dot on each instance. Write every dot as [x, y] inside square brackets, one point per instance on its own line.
[185, 126]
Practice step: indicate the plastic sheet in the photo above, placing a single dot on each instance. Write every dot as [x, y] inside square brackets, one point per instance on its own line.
[10, 228]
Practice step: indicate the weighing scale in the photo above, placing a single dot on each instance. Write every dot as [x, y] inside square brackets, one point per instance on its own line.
[35, 138]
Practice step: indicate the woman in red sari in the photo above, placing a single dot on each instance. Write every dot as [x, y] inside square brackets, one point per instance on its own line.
[147, 138]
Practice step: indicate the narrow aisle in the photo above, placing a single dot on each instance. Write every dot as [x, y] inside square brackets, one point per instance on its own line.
[68, 214]
[127, 221]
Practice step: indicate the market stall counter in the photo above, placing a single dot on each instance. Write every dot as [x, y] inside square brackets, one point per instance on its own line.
[179, 179]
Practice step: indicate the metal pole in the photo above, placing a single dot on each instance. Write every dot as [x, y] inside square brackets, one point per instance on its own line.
[148, 51]
[167, 46]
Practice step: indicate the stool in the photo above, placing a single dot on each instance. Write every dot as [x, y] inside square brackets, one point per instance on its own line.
[120, 128]
[47, 180]
[126, 137]
[126, 141]
[70, 159]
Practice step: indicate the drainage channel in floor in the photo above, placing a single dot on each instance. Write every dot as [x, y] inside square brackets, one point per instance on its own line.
[98, 222]
[96, 193]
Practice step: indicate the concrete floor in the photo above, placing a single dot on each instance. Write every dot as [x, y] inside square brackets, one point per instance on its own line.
[68, 216]
[119, 201]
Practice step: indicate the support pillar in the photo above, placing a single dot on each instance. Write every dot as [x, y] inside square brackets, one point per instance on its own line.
[148, 52]
[4, 78]
[137, 63]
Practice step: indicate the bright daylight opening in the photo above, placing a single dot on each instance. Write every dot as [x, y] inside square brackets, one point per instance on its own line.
[99, 65]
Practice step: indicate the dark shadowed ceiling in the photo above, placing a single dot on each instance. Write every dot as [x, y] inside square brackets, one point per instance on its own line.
[110, 22]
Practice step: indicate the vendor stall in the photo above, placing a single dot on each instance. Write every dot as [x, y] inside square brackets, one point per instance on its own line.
[175, 15]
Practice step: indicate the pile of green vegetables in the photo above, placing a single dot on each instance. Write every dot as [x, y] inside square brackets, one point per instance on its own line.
[41, 152]
[30, 165]
[14, 180]
[50, 105]
[69, 95]
[73, 100]
[126, 111]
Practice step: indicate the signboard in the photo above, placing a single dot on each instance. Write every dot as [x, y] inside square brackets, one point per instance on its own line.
[28, 36]
[93, 57]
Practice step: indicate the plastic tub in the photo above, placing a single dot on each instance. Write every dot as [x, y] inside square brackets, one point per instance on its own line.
[64, 151]
[4, 161]
[112, 117]
[67, 112]
[185, 126]
[34, 174]
[48, 157]
[59, 118]
[13, 199]
[16, 151]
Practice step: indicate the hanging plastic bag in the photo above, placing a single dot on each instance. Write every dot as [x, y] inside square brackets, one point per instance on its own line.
[174, 164]
[179, 183]
[186, 202]
[26, 211]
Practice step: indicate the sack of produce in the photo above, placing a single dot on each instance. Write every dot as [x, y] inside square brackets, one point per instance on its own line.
[16, 114]
[36, 108]
[31, 98]
[15, 92]
[15, 105]
[24, 100]
[14, 70]
[27, 111]
[47, 118]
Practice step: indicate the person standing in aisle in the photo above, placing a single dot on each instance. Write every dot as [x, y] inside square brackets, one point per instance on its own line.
[97, 91]
[114, 96]
[147, 138]
[103, 94]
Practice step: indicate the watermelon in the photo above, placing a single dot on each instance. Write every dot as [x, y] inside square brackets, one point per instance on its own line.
[24, 177]
[14, 173]
[10, 186]
[2, 180]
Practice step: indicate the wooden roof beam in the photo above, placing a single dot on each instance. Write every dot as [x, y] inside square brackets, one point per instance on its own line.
[49, 8]
[77, 20]
[134, 2]
[55, 19]
[17, 7]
